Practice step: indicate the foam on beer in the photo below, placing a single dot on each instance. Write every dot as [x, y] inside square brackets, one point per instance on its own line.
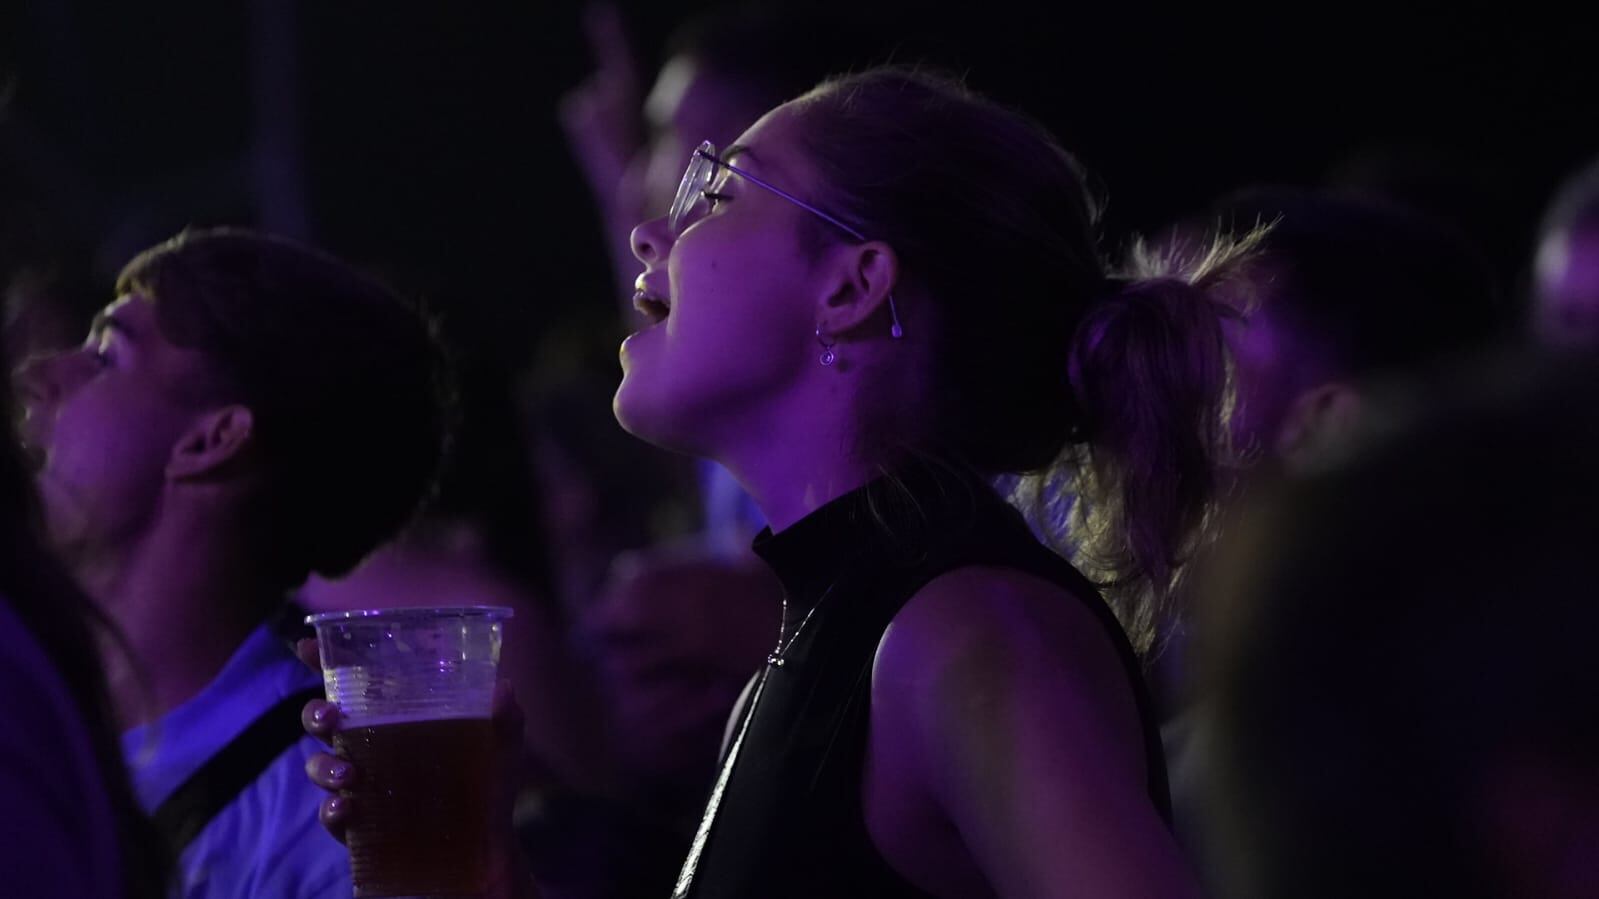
[402, 694]
[415, 691]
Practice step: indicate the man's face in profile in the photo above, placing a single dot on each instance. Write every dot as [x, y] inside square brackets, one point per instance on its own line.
[101, 420]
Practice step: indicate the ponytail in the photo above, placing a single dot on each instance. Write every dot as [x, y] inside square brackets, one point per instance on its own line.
[1133, 495]
[1120, 443]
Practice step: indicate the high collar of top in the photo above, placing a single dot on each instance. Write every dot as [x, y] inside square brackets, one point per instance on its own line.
[898, 517]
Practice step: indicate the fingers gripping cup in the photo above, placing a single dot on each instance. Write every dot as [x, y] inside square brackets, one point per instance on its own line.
[415, 691]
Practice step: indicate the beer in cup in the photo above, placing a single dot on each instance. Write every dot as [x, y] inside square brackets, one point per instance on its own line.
[415, 689]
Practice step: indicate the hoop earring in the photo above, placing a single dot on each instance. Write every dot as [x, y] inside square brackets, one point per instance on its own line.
[828, 356]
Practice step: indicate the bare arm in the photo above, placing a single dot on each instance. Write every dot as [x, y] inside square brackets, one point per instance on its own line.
[1008, 703]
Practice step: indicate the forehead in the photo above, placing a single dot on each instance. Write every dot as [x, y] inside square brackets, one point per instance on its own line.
[134, 317]
[129, 305]
[773, 148]
[133, 313]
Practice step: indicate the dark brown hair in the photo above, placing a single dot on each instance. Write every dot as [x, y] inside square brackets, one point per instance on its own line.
[1110, 394]
[347, 383]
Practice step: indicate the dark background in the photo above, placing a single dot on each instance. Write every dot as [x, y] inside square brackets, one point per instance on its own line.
[422, 138]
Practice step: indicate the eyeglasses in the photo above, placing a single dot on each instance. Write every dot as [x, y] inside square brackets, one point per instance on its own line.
[700, 177]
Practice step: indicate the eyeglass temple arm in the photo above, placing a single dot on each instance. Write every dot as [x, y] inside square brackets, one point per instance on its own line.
[787, 196]
[893, 310]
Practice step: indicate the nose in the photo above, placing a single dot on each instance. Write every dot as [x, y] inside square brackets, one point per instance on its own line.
[651, 241]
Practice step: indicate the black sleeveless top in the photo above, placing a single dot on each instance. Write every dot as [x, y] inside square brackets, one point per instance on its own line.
[785, 816]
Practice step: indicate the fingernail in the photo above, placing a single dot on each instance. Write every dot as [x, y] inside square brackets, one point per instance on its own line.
[320, 715]
[335, 805]
[339, 771]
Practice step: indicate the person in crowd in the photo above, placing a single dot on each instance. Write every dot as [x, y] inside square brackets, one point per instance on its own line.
[73, 827]
[46, 307]
[1492, 204]
[723, 69]
[1342, 296]
[1399, 651]
[1343, 293]
[884, 295]
[657, 644]
[246, 412]
[478, 543]
[1566, 272]
[675, 626]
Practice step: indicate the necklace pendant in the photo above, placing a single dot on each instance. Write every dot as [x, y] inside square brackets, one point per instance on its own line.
[775, 660]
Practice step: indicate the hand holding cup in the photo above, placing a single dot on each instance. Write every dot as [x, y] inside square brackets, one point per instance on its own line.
[426, 739]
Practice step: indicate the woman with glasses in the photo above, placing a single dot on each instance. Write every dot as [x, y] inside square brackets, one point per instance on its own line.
[883, 299]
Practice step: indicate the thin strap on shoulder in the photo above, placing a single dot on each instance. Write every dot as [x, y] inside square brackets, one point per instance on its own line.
[225, 775]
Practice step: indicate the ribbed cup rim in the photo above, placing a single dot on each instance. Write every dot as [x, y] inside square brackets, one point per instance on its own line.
[405, 612]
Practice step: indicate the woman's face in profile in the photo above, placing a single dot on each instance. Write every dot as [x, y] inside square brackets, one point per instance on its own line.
[732, 301]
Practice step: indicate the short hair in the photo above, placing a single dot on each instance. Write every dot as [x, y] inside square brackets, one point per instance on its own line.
[1375, 287]
[348, 384]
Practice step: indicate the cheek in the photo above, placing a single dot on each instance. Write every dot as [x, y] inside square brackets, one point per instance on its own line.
[745, 300]
[737, 336]
[108, 456]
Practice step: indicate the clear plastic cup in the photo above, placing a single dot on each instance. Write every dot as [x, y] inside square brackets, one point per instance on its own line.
[415, 691]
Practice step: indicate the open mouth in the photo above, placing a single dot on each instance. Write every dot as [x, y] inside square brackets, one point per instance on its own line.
[654, 308]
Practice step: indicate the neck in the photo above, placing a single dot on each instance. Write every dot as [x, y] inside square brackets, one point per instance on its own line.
[791, 472]
[182, 597]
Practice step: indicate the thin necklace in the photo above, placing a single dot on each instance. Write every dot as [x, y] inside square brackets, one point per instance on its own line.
[775, 657]
[685, 878]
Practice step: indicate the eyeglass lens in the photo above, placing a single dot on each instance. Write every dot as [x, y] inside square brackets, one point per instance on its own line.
[696, 178]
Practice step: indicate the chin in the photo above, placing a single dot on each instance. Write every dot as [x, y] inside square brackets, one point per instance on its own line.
[651, 420]
[633, 411]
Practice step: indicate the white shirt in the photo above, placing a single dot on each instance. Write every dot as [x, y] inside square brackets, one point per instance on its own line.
[267, 842]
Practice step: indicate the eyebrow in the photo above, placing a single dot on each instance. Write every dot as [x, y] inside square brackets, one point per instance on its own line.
[105, 322]
[738, 150]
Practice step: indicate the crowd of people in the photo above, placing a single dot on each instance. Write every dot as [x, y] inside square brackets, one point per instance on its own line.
[927, 546]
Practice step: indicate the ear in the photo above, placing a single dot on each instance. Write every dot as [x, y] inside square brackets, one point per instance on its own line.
[1317, 424]
[858, 288]
[218, 438]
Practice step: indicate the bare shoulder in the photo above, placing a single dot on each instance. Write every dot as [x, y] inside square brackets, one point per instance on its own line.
[1001, 616]
[979, 639]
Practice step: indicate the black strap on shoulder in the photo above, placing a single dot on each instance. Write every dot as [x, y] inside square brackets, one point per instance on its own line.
[225, 775]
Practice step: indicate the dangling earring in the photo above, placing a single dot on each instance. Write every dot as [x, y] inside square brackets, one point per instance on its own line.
[893, 315]
[828, 356]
